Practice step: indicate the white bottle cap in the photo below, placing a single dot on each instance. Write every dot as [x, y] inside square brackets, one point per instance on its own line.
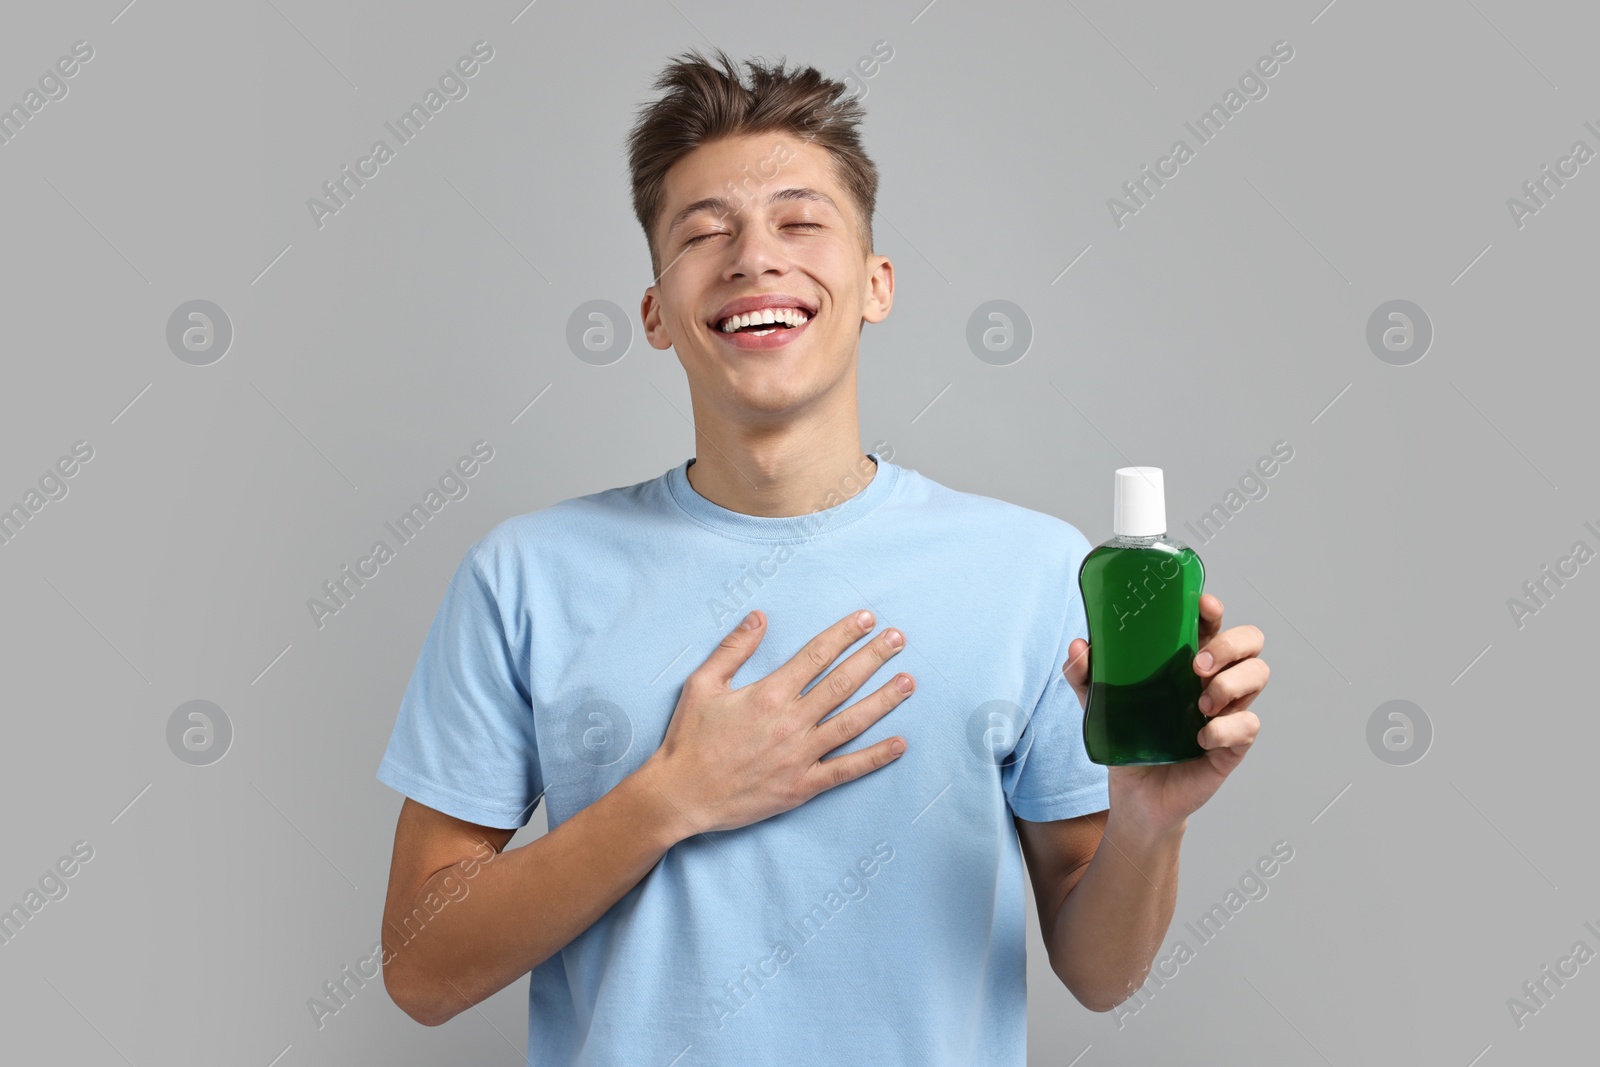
[1138, 502]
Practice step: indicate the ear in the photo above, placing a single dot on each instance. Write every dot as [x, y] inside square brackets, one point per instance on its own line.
[655, 327]
[880, 289]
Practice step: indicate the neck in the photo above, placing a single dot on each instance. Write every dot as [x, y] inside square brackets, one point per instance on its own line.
[779, 471]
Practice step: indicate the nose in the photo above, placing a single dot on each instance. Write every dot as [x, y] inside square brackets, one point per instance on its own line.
[755, 251]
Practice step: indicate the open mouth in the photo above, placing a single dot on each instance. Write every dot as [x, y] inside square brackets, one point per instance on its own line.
[767, 321]
[767, 328]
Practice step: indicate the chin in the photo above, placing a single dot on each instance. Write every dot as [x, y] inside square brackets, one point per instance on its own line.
[770, 404]
[769, 400]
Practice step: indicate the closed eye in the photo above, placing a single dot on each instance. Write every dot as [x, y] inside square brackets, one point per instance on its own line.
[787, 226]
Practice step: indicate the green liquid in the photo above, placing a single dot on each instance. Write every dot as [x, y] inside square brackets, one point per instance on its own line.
[1142, 601]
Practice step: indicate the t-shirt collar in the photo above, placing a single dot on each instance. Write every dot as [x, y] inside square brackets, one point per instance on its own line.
[830, 513]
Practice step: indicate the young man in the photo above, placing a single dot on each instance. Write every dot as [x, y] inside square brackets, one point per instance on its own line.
[793, 838]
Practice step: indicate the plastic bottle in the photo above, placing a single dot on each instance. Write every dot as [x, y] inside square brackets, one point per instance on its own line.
[1141, 596]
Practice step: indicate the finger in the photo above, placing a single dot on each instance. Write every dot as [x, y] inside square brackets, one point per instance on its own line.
[1240, 704]
[1231, 645]
[1230, 731]
[853, 673]
[1210, 617]
[817, 653]
[1076, 668]
[854, 721]
[825, 774]
[1235, 683]
[731, 654]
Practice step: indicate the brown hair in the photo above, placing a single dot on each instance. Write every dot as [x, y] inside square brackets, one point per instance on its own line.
[701, 103]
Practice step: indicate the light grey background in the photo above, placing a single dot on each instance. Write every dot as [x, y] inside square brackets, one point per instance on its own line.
[1228, 314]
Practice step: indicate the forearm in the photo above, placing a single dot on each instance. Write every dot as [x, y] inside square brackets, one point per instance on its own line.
[524, 905]
[1111, 924]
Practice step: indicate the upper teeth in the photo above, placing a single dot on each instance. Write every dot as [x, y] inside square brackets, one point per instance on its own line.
[792, 316]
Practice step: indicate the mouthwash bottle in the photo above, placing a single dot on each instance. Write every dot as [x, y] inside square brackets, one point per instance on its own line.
[1141, 595]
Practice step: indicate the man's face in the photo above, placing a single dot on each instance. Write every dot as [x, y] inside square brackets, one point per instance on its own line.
[784, 226]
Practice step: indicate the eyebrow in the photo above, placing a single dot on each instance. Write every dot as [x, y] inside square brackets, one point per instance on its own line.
[723, 206]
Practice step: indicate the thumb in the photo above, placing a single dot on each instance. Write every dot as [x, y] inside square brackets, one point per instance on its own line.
[1076, 668]
[732, 652]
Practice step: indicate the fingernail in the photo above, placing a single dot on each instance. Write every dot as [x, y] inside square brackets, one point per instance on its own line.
[864, 620]
[903, 683]
[1203, 661]
[1205, 703]
[749, 622]
[894, 638]
[897, 746]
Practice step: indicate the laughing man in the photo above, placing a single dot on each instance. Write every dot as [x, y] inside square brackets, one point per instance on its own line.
[801, 718]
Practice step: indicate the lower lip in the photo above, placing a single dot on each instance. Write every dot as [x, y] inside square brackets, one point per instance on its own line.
[776, 339]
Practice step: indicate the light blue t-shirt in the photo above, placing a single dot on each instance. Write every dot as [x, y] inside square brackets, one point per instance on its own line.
[880, 922]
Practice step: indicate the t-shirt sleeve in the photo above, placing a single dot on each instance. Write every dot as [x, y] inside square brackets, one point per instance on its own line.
[464, 741]
[1050, 776]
